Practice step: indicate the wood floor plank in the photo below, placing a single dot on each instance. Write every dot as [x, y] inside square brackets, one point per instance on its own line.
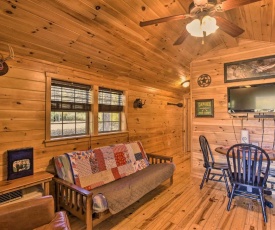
[183, 206]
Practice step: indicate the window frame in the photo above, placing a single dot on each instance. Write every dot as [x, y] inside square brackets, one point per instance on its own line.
[115, 110]
[49, 77]
[93, 114]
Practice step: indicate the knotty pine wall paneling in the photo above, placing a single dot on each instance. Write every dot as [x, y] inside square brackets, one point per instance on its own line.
[224, 129]
[22, 113]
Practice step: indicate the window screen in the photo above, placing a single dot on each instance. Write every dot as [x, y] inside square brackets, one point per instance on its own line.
[70, 106]
[110, 104]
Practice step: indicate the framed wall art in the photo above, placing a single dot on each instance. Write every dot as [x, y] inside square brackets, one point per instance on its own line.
[204, 108]
[252, 69]
[20, 163]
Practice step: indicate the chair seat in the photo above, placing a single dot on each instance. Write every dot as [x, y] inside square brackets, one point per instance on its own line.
[249, 184]
[217, 165]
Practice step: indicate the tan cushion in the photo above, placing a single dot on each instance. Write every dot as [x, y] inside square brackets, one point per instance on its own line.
[28, 214]
[35, 213]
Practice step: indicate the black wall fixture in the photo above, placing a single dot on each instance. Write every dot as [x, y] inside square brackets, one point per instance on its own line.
[138, 103]
[179, 104]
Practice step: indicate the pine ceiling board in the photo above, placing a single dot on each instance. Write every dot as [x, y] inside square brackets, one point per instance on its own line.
[131, 12]
[139, 11]
[119, 59]
[185, 4]
[255, 15]
[67, 61]
[128, 45]
[136, 27]
[133, 72]
[125, 60]
[32, 23]
[23, 38]
[234, 16]
[163, 11]
[29, 48]
[101, 18]
[52, 10]
[66, 58]
[124, 15]
[266, 19]
[228, 41]
[176, 6]
[247, 22]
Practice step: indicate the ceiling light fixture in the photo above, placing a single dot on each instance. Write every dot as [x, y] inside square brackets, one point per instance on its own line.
[186, 84]
[202, 27]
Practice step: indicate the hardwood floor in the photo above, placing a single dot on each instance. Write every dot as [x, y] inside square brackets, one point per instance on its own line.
[184, 206]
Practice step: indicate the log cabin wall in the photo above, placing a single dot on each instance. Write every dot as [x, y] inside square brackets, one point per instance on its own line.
[22, 114]
[223, 129]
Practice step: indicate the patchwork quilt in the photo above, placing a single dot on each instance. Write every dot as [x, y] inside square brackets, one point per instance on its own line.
[93, 168]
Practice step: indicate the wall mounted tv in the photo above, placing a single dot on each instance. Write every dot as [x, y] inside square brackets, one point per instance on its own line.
[253, 98]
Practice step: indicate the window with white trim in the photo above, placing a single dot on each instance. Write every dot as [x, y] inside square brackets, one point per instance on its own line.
[110, 108]
[70, 107]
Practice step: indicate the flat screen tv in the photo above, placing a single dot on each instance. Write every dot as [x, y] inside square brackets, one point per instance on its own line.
[253, 98]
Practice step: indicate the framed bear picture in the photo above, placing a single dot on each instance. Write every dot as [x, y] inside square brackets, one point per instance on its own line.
[20, 162]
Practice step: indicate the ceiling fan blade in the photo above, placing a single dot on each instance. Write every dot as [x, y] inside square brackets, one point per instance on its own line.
[181, 38]
[231, 4]
[228, 27]
[166, 19]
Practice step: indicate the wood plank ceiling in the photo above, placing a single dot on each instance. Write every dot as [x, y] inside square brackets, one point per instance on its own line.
[104, 36]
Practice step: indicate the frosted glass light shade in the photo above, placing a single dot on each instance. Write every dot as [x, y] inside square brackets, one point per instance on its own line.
[186, 84]
[207, 25]
[194, 28]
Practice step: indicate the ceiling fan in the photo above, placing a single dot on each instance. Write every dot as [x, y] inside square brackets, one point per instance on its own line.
[202, 11]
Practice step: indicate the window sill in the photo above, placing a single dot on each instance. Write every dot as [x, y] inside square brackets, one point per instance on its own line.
[75, 139]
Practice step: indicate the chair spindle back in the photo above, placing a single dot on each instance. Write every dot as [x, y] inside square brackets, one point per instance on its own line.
[247, 164]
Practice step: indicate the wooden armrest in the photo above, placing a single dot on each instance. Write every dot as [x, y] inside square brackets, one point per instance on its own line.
[73, 187]
[155, 158]
[74, 199]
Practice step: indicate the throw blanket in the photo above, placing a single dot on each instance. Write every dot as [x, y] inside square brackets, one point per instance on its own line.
[94, 168]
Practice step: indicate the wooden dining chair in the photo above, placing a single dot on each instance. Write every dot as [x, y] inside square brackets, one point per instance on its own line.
[245, 165]
[209, 164]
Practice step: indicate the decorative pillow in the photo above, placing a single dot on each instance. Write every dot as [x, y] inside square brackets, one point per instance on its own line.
[63, 168]
[99, 203]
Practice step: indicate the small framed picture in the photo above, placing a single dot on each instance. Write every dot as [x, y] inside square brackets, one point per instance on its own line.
[204, 108]
[20, 163]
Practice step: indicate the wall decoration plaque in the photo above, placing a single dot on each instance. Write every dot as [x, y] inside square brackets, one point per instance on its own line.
[204, 80]
[204, 108]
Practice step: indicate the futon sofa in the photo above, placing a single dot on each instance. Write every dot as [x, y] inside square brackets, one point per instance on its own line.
[37, 213]
[97, 183]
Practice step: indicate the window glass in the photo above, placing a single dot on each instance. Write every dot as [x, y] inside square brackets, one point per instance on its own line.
[110, 108]
[70, 106]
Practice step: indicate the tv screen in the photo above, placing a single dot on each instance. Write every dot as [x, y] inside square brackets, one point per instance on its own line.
[253, 98]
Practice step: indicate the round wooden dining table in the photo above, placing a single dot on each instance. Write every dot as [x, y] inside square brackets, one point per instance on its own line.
[223, 150]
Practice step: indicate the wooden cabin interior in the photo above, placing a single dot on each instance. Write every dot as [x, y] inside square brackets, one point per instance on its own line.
[101, 44]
